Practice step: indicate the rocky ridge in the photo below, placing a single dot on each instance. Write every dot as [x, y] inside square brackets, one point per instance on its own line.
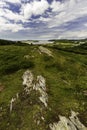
[39, 85]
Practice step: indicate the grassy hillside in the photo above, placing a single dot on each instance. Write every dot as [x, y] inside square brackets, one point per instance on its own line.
[66, 79]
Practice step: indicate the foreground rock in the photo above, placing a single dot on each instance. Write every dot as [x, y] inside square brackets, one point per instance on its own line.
[45, 50]
[13, 100]
[73, 123]
[28, 81]
[41, 87]
[38, 85]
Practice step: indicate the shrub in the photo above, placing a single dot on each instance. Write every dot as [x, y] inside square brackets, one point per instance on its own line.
[11, 66]
[24, 64]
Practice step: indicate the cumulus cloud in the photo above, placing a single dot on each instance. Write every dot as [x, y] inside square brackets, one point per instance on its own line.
[34, 8]
[39, 7]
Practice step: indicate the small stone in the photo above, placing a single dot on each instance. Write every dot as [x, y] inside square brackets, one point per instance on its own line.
[17, 95]
[42, 118]
[38, 122]
[11, 104]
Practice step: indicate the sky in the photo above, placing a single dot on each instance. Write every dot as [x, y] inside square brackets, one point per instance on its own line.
[43, 19]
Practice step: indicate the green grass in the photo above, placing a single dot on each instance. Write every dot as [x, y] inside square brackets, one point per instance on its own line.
[66, 79]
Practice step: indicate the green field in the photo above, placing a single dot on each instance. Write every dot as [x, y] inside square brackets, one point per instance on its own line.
[66, 79]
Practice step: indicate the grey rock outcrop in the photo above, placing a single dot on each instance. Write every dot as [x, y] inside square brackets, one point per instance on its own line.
[13, 100]
[28, 81]
[45, 50]
[73, 123]
[11, 103]
[39, 85]
[75, 120]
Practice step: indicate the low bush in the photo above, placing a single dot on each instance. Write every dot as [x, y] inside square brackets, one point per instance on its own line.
[10, 65]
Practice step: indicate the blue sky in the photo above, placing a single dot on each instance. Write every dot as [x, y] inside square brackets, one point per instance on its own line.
[43, 19]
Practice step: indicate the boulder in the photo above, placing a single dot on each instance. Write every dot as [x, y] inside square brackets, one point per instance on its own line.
[45, 50]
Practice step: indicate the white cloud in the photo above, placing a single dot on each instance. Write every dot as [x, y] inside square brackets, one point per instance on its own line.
[73, 34]
[39, 7]
[26, 10]
[6, 25]
[10, 27]
[3, 4]
[34, 8]
[12, 16]
[12, 1]
[67, 12]
[44, 19]
[57, 6]
[85, 24]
